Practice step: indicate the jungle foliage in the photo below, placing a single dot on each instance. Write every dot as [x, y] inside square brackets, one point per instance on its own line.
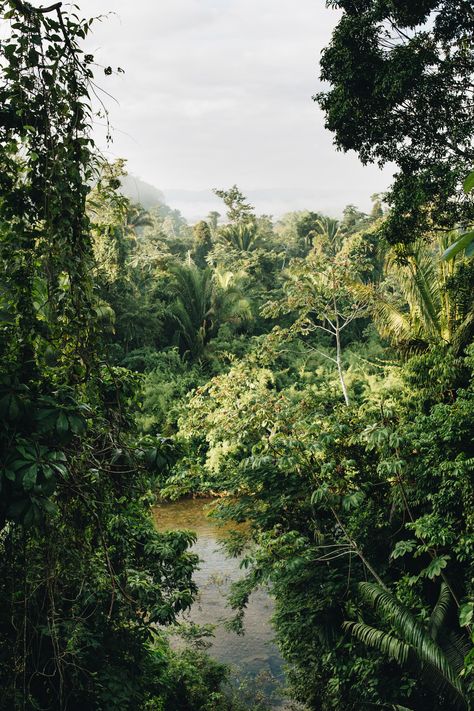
[321, 381]
[316, 373]
[400, 90]
[87, 585]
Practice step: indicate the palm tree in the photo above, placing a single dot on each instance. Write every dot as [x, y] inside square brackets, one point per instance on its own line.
[416, 306]
[329, 230]
[242, 236]
[137, 217]
[438, 657]
[204, 301]
[228, 301]
[134, 219]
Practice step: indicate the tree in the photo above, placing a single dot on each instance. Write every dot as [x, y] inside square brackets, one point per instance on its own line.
[213, 221]
[202, 243]
[204, 301]
[377, 210]
[400, 77]
[465, 241]
[319, 291]
[85, 579]
[307, 228]
[115, 220]
[238, 210]
[353, 219]
[243, 236]
[424, 301]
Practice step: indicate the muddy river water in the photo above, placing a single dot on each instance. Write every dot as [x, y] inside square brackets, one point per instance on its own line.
[253, 656]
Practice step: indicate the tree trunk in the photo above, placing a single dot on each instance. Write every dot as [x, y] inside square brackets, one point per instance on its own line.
[337, 333]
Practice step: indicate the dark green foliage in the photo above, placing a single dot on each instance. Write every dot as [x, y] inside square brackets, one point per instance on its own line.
[332, 495]
[400, 78]
[203, 301]
[307, 228]
[335, 496]
[413, 643]
[84, 576]
[321, 383]
[202, 243]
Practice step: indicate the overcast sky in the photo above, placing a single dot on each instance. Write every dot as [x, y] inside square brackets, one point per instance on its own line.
[217, 92]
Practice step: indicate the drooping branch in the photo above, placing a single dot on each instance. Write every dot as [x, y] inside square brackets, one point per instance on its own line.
[27, 9]
[51, 8]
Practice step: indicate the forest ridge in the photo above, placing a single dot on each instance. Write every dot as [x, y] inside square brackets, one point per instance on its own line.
[314, 375]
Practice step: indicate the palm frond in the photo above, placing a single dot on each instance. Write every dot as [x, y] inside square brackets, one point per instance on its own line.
[243, 236]
[422, 289]
[431, 308]
[427, 651]
[464, 332]
[456, 648]
[385, 642]
[391, 322]
[440, 610]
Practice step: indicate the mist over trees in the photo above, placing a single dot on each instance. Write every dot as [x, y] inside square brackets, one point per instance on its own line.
[312, 375]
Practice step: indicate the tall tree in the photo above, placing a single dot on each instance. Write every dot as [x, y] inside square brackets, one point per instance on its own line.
[401, 90]
[307, 228]
[238, 209]
[202, 243]
[84, 579]
[319, 291]
[213, 221]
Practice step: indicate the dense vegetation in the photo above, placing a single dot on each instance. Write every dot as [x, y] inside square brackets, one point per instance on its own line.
[315, 373]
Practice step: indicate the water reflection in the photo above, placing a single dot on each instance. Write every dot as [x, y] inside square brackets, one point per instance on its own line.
[253, 654]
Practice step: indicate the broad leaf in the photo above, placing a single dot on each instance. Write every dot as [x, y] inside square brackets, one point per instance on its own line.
[402, 548]
[62, 423]
[436, 566]
[462, 243]
[468, 184]
[466, 614]
[29, 477]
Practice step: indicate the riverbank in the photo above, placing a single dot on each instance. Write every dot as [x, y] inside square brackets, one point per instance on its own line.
[255, 660]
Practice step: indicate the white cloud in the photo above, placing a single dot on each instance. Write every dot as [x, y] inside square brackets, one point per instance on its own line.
[219, 91]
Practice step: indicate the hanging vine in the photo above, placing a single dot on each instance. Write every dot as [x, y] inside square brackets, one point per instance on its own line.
[83, 574]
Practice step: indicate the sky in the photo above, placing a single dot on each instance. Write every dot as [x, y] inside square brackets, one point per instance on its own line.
[217, 92]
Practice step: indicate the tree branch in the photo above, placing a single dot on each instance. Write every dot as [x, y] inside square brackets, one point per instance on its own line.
[27, 8]
[51, 8]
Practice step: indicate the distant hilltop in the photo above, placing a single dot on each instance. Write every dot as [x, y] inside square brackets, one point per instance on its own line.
[138, 191]
[195, 205]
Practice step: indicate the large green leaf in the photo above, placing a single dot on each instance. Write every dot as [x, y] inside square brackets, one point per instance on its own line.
[412, 633]
[62, 423]
[440, 610]
[462, 243]
[468, 184]
[29, 477]
[385, 642]
[466, 614]
[435, 567]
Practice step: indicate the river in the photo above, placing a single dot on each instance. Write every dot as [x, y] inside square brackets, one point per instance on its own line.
[254, 658]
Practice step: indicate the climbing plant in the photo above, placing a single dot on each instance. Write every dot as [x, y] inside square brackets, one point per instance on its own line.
[84, 577]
